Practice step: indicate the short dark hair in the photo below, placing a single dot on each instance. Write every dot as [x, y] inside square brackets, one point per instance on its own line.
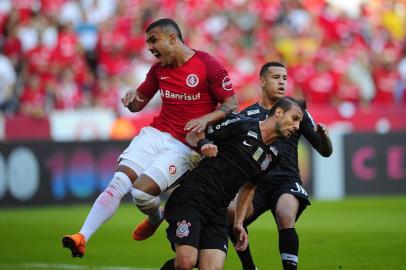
[166, 23]
[286, 103]
[264, 68]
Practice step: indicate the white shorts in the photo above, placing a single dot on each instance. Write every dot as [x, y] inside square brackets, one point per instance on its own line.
[158, 155]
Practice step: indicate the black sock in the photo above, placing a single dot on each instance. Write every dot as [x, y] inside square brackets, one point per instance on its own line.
[169, 265]
[245, 256]
[289, 248]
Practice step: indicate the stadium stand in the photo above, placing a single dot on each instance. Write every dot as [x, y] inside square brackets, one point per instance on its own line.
[58, 55]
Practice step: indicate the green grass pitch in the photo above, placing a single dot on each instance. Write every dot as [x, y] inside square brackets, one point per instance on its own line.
[352, 234]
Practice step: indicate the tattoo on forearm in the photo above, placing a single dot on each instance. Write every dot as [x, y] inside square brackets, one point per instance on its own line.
[229, 106]
[226, 109]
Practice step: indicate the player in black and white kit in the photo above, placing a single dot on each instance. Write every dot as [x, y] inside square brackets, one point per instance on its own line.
[237, 156]
[281, 190]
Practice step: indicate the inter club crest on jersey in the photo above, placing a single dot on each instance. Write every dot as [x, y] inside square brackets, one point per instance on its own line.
[183, 229]
[192, 80]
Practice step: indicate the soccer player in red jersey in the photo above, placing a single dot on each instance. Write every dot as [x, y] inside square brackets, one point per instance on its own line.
[192, 84]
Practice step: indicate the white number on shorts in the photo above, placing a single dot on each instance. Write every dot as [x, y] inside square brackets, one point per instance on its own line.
[299, 189]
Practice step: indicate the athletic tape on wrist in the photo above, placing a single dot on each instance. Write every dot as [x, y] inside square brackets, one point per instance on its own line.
[202, 142]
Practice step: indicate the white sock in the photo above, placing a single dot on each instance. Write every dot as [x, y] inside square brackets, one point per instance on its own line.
[106, 204]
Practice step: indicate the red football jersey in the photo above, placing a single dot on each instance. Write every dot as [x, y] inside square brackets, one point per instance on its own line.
[189, 91]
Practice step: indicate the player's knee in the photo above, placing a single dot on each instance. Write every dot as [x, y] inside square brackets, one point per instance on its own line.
[185, 262]
[121, 182]
[286, 219]
[211, 262]
[145, 202]
[211, 267]
[286, 211]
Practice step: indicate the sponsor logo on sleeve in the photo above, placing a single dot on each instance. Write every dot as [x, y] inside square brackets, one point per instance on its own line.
[251, 112]
[226, 84]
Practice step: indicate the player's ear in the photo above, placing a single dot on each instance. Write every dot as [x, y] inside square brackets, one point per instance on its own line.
[279, 112]
[172, 38]
[262, 81]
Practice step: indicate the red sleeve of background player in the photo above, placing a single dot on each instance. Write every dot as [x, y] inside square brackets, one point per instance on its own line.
[150, 86]
[219, 83]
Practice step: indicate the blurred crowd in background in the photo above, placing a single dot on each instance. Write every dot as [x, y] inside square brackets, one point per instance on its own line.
[70, 54]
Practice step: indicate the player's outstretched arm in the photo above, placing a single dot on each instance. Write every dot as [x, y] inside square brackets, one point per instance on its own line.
[229, 105]
[134, 100]
[243, 201]
[325, 148]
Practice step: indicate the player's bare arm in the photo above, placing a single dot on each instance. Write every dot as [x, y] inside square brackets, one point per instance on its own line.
[134, 100]
[244, 202]
[198, 139]
[229, 105]
[326, 148]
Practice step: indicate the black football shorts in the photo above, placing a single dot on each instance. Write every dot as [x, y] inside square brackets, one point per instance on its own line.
[189, 227]
[266, 197]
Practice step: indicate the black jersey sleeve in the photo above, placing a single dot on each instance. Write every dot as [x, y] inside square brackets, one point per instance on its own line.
[307, 126]
[255, 111]
[225, 129]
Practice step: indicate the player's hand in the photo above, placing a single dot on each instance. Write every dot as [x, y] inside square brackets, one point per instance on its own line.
[209, 150]
[241, 236]
[198, 124]
[130, 96]
[321, 129]
[193, 137]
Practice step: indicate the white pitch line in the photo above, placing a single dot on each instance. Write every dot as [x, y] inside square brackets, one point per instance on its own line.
[68, 266]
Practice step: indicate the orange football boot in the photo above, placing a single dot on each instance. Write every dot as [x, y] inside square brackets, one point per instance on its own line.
[76, 243]
[145, 229]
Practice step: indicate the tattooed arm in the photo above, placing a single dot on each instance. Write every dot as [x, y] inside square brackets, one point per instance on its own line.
[229, 105]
